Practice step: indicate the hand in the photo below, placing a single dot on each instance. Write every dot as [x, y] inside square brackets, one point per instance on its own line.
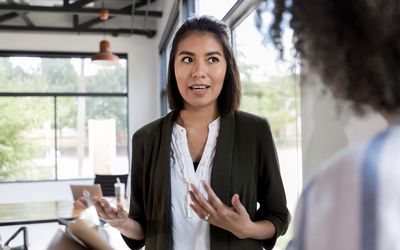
[234, 219]
[81, 203]
[115, 216]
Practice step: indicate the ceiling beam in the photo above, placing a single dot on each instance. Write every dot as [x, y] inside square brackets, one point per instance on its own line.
[80, 3]
[91, 22]
[75, 10]
[22, 15]
[8, 16]
[137, 5]
[113, 32]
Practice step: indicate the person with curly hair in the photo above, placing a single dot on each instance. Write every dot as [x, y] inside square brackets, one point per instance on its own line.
[353, 201]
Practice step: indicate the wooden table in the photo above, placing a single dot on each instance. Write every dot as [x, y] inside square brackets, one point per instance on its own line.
[37, 212]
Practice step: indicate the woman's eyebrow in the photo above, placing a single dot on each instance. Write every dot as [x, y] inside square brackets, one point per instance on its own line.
[213, 53]
[185, 52]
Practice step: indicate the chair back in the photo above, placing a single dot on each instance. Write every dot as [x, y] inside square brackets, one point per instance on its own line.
[107, 182]
[24, 231]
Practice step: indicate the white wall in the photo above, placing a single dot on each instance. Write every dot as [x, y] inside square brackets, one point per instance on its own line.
[143, 91]
[325, 129]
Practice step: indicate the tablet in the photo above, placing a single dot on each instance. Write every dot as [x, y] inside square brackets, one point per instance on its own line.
[94, 190]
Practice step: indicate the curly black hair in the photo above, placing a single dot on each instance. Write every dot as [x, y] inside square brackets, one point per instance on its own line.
[354, 45]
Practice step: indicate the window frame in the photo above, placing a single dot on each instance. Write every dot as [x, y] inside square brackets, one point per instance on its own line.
[181, 10]
[55, 95]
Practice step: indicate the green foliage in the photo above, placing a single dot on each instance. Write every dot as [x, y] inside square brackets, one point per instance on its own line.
[59, 75]
[15, 149]
[101, 108]
[108, 80]
[15, 79]
[275, 100]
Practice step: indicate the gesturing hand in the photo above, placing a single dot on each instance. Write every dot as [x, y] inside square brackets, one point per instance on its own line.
[234, 219]
[114, 216]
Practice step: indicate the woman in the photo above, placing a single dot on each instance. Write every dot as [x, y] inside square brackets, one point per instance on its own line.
[353, 202]
[199, 172]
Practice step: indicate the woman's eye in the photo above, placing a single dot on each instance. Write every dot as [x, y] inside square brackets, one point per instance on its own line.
[213, 60]
[187, 60]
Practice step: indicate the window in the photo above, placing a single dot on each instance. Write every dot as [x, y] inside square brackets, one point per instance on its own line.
[180, 11]
[271, 89]
[61, 117]
[164, 70]
[214, 8]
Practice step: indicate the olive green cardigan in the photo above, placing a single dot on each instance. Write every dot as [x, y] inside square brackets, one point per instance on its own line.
[245, 163]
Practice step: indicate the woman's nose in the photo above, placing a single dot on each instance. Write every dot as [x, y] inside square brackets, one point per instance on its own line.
[199, 70]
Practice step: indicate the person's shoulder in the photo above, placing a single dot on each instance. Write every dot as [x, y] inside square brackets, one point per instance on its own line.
[248, 122]
[153, 127]
[343, 168]
[250, 119]
[352, 156]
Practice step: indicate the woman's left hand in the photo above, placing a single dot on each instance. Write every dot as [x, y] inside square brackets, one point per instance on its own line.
[234, 219]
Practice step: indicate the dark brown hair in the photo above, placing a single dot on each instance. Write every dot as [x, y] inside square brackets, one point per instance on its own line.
[354, 45]
[229, 98]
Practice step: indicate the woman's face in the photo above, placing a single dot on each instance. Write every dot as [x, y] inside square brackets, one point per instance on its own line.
[200, 68]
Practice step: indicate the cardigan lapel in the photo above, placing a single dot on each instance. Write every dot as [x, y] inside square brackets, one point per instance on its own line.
[163, 166]
[220, 175]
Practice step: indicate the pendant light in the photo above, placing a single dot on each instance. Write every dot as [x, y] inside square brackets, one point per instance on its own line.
[105, 57]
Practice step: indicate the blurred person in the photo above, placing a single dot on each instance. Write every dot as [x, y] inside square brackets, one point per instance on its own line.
[352, 202]
[199, 173]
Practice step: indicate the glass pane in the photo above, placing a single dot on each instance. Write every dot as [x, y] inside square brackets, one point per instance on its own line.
[270, 89]
[214, 8]
[103, 79]
[26, 139]
[164, 72]
[92, 136]
[35, 74]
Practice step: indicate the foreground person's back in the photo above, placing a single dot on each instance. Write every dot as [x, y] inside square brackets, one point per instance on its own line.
[353, 202]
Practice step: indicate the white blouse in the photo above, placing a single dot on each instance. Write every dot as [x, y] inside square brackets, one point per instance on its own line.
[188, 230]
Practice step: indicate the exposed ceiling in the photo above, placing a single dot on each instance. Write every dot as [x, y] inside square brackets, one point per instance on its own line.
[81, 16]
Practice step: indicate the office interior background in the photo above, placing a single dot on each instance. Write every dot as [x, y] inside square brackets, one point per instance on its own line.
[63, 119]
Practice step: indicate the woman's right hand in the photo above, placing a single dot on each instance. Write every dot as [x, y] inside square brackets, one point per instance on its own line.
[115, 216]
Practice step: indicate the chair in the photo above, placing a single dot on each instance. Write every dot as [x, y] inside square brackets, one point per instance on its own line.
[107, 182]
[25, 244]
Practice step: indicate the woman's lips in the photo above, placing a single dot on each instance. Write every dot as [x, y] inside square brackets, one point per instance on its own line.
[199, 89]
